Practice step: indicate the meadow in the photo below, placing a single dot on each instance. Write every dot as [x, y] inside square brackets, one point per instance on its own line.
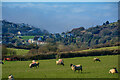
[27, 37]
[19, 51]
[49, 69]
[24, 51]
[104, 48]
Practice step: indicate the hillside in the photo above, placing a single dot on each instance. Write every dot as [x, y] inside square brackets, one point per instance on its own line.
[105, 35]
[25, 29]
[100, 34]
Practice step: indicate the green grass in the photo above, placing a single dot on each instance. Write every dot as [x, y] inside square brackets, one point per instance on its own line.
[27, 37]
[23, 51]
[104, 48]
[19, 51]
[48, 68]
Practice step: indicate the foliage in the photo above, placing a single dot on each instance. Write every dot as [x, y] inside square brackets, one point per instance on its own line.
[80, 38]
[36, 54]
[25, 29]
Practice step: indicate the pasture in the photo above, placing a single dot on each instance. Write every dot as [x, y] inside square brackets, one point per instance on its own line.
[27, 37]
[24, 51]
[19, 51]
[49, 69]
[104, 48]
[99, 49]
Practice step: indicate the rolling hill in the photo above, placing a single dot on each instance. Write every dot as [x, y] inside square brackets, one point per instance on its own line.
[25, 29]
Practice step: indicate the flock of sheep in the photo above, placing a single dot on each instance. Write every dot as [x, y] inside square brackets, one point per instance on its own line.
[61, 62]
[73, 67]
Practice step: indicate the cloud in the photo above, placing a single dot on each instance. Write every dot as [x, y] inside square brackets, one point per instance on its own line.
[57, 16]
[19, 5]
[35, 5]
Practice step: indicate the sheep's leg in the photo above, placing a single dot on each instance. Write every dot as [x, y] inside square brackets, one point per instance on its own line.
[75, 70]
[109, 71]
[81, 70]
[62, 64]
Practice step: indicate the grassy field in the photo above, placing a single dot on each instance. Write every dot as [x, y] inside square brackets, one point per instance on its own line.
[104, 48]
[27, 37]
[23, 51]
[20, 51]
[48, 68]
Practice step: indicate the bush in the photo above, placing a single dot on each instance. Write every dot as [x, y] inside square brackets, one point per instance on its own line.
[4, 50]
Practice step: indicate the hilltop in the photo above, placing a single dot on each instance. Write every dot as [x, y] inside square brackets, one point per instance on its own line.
[100, 34]
[24, 29]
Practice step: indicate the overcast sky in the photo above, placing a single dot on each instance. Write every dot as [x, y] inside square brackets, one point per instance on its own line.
[60, 16]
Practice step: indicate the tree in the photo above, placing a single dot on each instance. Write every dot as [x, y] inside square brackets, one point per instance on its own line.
[4, 50]
[103, 23]
[107, 22]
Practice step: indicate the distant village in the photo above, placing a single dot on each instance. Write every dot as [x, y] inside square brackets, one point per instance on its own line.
[17, 39]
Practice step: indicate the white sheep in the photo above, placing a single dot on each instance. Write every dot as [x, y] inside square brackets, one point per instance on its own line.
[114, 70]
[76, 67]
[36, 64]
[33, 61]
[60, 62]
[96, 59]
[10, 77]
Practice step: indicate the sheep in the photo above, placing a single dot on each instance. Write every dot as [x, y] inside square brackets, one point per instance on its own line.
[10, 77]
[33, 61]
[60, 62]
[7, 59]
[96, 59]
[114, 70]
[76, 67]
[36, 64]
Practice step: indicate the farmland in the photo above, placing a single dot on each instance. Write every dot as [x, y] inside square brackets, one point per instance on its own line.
[24, 51]
[27, 37]
[48, 68]
[19, 51]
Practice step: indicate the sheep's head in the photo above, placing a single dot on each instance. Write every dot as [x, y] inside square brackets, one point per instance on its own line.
[10, 76]
[114, 67]
[71, 65]
[30, 65]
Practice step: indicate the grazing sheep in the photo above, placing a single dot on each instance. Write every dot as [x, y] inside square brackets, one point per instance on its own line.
[60, 62]
[10, 77]
[76, 67]
[114, 70]
[33, 61]
[36, 64]
[7, 59]
[96, 59]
